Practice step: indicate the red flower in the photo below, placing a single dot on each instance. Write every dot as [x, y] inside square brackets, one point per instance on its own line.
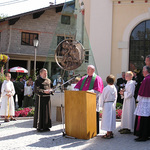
[22, 113]
[17, 113]
[118, 113]
[100, 115]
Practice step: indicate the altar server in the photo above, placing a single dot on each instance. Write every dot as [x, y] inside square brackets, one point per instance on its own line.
[128, 117]
[7, 105]
[108, 103]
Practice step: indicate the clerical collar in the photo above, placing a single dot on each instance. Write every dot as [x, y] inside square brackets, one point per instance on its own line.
[43, 78]
[91, 76]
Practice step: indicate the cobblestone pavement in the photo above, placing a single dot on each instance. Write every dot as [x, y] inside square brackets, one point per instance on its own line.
[19, 135]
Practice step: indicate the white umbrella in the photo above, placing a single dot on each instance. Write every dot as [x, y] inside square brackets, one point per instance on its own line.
[18, 69]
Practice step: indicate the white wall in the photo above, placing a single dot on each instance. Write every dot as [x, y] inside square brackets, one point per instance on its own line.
[101, 35]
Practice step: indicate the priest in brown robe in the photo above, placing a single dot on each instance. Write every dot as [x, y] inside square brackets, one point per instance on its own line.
[42, 115]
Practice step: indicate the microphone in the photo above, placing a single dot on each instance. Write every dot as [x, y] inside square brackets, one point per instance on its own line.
[76, 75]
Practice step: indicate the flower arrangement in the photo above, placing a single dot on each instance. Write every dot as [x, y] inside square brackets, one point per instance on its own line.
[118, 113]
[24, 112]
[3, 59]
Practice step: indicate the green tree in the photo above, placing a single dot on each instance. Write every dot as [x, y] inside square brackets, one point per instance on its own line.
[3, 16]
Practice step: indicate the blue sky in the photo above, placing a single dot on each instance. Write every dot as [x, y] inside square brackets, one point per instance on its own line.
[14, 7]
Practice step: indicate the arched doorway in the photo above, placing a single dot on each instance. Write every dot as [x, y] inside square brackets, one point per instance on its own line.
[139, 45]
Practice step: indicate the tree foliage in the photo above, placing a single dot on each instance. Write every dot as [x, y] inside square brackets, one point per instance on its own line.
[3, 16]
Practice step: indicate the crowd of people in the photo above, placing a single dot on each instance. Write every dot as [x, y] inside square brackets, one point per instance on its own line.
[132, 88]
[24, 89]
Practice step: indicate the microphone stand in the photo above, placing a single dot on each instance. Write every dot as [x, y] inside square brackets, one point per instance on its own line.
[63, 132]
[65, 83]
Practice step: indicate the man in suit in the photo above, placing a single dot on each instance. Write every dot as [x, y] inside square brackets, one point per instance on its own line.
[121, 84]
[20, 91]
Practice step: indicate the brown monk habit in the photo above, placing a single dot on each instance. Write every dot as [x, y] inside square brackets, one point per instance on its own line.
[42, 115]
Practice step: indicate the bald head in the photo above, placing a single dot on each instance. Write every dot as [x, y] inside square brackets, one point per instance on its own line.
[90, 70]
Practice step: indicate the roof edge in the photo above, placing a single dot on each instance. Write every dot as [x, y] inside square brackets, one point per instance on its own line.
[31, 12]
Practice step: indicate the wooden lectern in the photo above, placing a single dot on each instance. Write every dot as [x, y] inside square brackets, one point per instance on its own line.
[80, 114]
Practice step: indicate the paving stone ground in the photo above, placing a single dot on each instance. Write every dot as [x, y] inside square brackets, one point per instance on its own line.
[19, 135]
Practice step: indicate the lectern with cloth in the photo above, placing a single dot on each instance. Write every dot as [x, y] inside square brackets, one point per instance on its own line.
[80, 114]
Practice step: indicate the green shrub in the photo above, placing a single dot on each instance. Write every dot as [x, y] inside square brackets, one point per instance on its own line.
[31, 113]
[118, 106]
[2, 77]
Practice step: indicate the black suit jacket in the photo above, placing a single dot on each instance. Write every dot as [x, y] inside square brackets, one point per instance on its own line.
[121, 83]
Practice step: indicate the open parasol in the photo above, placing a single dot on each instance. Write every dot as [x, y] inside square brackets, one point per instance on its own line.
[18, 69]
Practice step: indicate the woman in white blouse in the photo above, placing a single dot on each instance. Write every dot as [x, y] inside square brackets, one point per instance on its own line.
[28, 93]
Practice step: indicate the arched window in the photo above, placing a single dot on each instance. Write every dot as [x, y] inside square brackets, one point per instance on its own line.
[139, 45]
